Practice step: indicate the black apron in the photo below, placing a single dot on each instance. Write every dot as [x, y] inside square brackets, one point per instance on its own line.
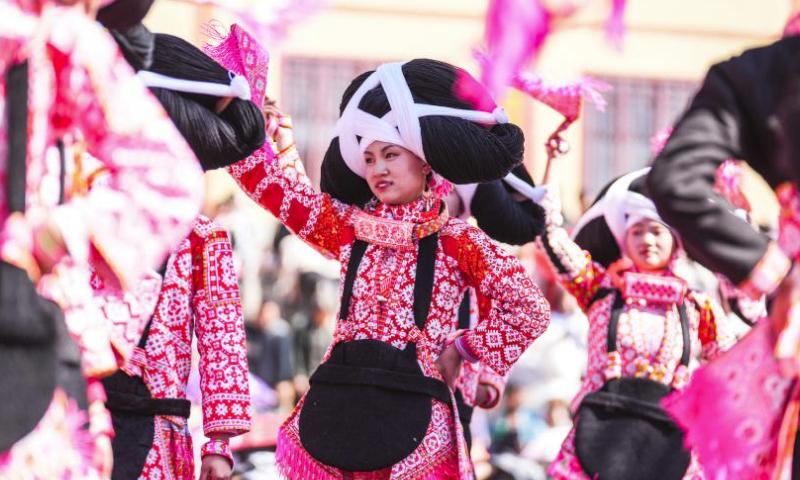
[36, 351]
[133, 411]
[622, 432]
[369, 405]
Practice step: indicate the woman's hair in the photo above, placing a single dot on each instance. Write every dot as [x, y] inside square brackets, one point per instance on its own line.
[217, 139]
[504, 218]
[123, 14]
[136, 44]
[459, 150]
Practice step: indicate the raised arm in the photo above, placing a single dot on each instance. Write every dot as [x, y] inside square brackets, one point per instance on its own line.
[280, 185]
[576, 271]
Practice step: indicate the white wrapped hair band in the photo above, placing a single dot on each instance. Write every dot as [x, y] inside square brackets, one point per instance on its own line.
[401, 125]
[238, 87]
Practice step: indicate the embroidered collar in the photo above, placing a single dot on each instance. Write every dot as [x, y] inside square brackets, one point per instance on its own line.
[653, 288]
[399, 226]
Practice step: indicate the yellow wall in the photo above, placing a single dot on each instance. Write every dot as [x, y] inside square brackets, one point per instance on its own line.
[677, 39]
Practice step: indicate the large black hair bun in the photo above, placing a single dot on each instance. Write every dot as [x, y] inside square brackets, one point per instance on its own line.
[459, 150]
[218, 140]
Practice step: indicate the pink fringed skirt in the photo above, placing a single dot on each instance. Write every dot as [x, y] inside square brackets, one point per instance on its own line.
[435, 459]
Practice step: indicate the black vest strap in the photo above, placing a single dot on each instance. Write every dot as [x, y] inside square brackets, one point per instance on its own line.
[423, 282]
[463, 312]
[356, 254]
[613, 324]
[17, 111]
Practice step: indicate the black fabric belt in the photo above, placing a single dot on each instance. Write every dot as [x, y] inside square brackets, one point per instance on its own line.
[377, 377]
[133, 404]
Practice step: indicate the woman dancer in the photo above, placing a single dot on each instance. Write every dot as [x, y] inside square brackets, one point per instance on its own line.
[643, 323]
[63, 80]
[379, 406]
[200, 294]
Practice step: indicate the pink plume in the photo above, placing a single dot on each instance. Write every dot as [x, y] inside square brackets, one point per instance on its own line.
[615, 25]
[515, 32]
[565, 98]
[792, 26]
[240, 53]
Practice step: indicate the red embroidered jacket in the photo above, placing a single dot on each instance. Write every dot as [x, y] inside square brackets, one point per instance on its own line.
[200, 296]
[465, 257]
[381, 306]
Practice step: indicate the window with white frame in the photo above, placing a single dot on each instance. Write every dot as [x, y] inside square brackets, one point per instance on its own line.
[618, 141]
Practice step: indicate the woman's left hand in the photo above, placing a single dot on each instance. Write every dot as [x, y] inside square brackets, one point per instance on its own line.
[449, 365]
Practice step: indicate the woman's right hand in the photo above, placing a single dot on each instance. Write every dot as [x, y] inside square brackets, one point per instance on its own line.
[279, 126]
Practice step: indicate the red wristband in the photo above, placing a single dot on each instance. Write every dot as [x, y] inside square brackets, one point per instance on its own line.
[217, 447]
[465, 350]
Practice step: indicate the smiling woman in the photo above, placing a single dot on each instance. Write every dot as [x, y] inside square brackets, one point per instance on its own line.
[646, 328]
[394, 174]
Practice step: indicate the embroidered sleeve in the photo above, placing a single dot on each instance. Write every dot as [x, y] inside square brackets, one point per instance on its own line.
[220, 337]
[714, 331]
[579, 275]
[519, 312]
[281, 186]
[155, 183]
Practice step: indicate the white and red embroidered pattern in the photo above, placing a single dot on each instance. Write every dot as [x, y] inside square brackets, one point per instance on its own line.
[465, 257]
[81, 89]
[199, 296]
[649, 339]
[474, 374]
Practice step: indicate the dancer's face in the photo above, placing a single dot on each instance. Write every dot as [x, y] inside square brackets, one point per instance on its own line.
[394, 174]
[649, 244]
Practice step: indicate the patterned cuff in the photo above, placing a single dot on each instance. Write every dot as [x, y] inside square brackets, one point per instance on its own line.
[767, 274]
[217, 447]
[465, 350]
